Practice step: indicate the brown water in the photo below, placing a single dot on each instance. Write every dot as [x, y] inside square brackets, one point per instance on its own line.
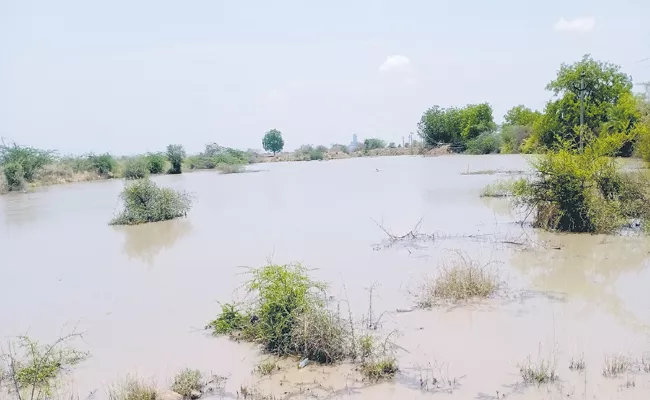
[142, 294]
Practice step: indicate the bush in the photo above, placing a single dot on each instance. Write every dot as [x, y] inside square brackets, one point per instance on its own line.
[485, 143]
[104, 164]
[373, 143]
[316, 155]
[25, 161]
[14, 176]
[383, 368]
[175, 155]
[288, 316]
[156, 162]
[132, 389]
[188, 381]
[585, 191]
[230, 168]
[513, 137]
[391, 145]
[136, 168]
[144, 201]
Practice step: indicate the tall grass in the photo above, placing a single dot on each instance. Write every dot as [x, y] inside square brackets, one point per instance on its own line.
[143, 201]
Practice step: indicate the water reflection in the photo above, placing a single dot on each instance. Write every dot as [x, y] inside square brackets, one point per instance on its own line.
[589, 268]
[144, 242]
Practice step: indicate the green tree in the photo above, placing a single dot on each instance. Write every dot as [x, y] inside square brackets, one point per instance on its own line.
[373, 143]
[605, 85]
[476, 119]
[175, 155]
[273, 141]
[521, 115]
[25, 161]
[156, 162]
[455, 125]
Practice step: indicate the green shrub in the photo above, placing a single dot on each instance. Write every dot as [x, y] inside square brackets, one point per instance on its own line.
[175, 155]
[156, 162]
[485, 143]
[104, 164]
[29, 159]
[14, 175]
[381, 369]
[513, 137]
[188, 381]
[585, 191]
[373, 143]
[288, 316]
[136, 168]
[316, 155]
[143, 201]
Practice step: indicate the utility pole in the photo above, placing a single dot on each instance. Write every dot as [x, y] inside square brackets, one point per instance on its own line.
[581, 88]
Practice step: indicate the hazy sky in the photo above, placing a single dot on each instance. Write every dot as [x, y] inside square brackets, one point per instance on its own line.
[132, 76]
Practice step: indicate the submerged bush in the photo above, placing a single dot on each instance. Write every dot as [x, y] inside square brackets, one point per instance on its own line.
[288, 316]
[585, 191]
[230, 168]
[144, 201]
[485, 143]
[136, 168]
[501, 188]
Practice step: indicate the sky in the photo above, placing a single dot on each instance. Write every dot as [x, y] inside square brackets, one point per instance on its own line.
[128, 77]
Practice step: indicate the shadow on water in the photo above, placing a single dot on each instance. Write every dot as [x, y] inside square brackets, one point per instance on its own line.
[145, 242]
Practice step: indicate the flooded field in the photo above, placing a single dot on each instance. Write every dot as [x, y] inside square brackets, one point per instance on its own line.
[143, 294]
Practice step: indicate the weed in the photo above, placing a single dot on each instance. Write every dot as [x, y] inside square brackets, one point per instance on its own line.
[614, 365]
[248, 393]
[32, 368]
[463, 280]
[144, 201]
[499, 189]
[266, 368]
[187, 382]
[132, 389]
[645, 363]
[288, 316]
[542, 371]
[380, 369]
[577, 364]
[366, 346]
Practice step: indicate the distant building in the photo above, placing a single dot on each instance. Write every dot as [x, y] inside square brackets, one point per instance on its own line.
[355, 143]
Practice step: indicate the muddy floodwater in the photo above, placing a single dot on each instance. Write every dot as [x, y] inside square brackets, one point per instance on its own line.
[143, 294]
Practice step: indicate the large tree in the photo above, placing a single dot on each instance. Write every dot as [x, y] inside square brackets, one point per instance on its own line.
[273, 141]
[607, 104]
[521, 115]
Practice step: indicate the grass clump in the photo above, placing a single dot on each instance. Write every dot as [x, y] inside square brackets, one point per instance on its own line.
[585, 190]
[500, 189]
[577, 363]
[381, 369]
[188, 382]
[143, 201]
[132, 389]
[266, 368]
[32, 369]
[462, 280]
[615, 365]
[542, 371]
[288, 316]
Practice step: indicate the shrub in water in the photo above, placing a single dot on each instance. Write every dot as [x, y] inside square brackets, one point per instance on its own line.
[104, 164]
[175, 154]
[288, 316]
[136, 168]
[144, 201]
[156, 162]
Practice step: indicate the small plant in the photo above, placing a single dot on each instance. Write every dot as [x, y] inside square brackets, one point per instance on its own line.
[267, 368]
[577, 363]
[615, 365]
[542, 371]
[366, 346]
[132, 389]
[381, 369]
[136, 168]
[645, 363]
[145, 202]
[464, 279]
[33, 368]
[229, 320]
[175, 155]
[188, 383]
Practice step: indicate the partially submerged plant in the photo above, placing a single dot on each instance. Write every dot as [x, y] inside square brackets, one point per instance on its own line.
[541, 371]
[500, 189]
[230, 168]
[32, 368]
[614, 365]
[288, 316]
[266, 367]
[132, 389]
[144, 201]
[380, 369]
[462, 280]
[577, 363]
[188, 382]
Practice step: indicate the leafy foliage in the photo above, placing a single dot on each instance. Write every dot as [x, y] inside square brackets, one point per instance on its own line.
[521, 115]
[144, 201]
[104, 164]
[136, 168]
[273, 141]
[156, 162]
[485, 143]
[455, 125]
[214, 155]
[21, 163]
[188, 381]
[175, 155]
[513, 137]
[373, 143]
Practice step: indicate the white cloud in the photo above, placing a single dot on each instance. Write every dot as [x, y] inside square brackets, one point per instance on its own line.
[396, 64]
[580, 24]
